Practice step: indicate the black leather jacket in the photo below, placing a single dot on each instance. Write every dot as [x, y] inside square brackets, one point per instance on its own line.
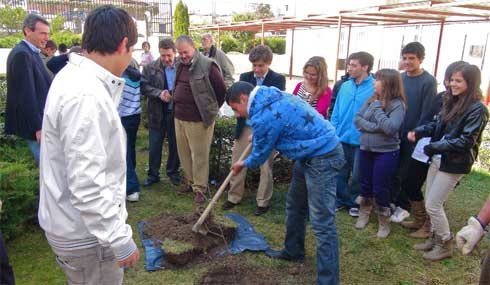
[457, 141]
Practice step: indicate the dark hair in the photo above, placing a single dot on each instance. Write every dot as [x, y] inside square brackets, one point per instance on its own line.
[167, 43]
[237, 89]
[454, 106]
[51, 44]
[364, 59]
[414, 48]
[263, 53]
[62, 48]
[145, 43]
[392, 87]
[30, 22]
[105, 28]
[449, 71]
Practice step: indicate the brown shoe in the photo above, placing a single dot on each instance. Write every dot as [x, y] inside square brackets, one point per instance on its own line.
[419, 216]
[365, 207]
[424, 231]
[261, 210]
[427, 245]
[185, 189]
[441, 250]
[199, 198]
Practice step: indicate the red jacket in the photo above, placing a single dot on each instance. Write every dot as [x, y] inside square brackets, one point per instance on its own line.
[323, 100]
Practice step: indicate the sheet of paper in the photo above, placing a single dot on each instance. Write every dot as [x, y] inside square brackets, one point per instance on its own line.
[418, 152]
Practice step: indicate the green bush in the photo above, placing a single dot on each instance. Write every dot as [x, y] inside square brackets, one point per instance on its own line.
[11, 40]
[229, 44]
[67, 37]
[277, 44]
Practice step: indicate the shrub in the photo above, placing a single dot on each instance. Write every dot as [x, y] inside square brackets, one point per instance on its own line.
[67, 37]
[228, 44]
[277, 44]
[11, 40]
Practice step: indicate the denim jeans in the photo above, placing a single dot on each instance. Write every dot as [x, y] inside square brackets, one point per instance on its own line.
[377, 171]
[35, 148]
[131, 124]
[312, 194]
[348, 192]
[156, 144]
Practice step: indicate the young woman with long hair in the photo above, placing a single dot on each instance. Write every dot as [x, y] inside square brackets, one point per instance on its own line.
[455, 139]
[379, 121]
[314, 87]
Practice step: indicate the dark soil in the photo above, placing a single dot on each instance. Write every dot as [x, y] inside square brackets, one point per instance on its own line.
[179, 228]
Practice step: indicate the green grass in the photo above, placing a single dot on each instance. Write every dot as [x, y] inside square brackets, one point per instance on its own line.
[364, 258]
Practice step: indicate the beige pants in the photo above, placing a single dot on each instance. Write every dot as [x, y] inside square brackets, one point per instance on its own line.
[193, 146]
[237, 182]
[91, 266]
[438, 186]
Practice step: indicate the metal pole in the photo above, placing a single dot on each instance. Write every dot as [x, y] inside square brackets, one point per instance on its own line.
[484, 53]
[464, 46]
[338, 48]
[219, 40]
[291, 57]
[348, 43]
[439, 48]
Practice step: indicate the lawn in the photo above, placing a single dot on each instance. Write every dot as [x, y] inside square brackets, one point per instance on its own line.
[364, 258]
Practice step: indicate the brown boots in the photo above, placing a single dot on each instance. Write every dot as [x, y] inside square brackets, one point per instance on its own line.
[365, 208]
[436, 248]
[420, 222]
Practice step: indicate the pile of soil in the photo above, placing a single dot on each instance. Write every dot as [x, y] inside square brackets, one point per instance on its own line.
[179, 228]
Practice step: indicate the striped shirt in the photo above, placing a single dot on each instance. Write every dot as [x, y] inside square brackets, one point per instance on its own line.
[130, 99]
[306, 96]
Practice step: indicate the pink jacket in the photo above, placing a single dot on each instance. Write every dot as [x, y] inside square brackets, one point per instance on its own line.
[323, 100]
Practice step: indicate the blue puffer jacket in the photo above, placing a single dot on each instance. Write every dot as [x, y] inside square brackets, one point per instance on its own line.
[350, 99]
[288, 124]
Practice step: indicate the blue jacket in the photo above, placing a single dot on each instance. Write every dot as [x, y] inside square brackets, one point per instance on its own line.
[350, 99]
[288, 124]
[28, 83]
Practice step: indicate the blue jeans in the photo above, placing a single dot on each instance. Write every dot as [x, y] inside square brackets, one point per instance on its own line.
[156, 136]
[348, 192]
[312, 194]
[34, 147]
[377, 172]
[131, 124]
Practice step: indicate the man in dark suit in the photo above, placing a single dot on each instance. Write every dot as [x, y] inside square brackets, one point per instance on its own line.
[261, 74]
[27, 84]
[157, 84]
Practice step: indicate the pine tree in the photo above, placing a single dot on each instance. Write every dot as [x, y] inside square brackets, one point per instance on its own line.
[181, 20]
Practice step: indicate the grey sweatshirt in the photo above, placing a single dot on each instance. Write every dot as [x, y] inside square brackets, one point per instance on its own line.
[380, 128]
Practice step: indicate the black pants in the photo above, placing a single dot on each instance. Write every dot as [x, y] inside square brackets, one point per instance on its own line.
[167, 129]
[415, 179]
[398, 196]
[6, 272]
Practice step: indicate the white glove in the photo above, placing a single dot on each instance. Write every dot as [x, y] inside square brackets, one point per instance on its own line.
[469, 236]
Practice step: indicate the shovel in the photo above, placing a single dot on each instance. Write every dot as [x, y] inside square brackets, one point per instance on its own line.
[198, 228]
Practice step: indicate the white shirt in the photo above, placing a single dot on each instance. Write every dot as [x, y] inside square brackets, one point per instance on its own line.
[83, 161]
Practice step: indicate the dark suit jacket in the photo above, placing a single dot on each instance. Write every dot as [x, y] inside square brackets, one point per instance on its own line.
[57, 63]
[271, 79]
[28, 84]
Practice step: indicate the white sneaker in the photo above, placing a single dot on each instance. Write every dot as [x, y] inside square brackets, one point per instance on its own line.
[399, 215]
[354, 212]
[133, 197]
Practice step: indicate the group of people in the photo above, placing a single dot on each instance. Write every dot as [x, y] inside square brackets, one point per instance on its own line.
[369, 145]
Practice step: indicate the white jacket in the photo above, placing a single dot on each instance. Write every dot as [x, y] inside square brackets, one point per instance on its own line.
[83, 161]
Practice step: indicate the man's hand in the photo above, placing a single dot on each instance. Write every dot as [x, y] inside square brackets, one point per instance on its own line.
[469, 236]
[237, 167]
[165, 96]
[38, 136]
[411, 136]
[131, 260]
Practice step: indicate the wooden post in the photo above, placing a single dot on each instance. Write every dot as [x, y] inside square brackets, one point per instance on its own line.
[262, 41]
[338, 47]
[439, 48]
[291, 57]
[219, 38]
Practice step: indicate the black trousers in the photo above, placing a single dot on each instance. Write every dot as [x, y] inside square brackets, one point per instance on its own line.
[399, 197]
[6, 272]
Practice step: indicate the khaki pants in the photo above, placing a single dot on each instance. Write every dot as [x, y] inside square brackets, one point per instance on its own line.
[91, 266]
[193, 145]
[438, 186]
[237, 182]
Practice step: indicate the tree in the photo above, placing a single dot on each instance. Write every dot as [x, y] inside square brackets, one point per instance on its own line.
[11, 19]
[181, 20]
[57, 24]
[263, 11]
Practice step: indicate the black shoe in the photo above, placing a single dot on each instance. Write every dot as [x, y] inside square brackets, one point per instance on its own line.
[280, 254]
[261, 210]
[148, 182]
[228, 206]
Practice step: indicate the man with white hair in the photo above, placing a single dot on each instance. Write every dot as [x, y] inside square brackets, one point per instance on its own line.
[210, 50]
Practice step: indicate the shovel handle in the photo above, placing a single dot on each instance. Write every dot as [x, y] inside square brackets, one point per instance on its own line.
[216, 196]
